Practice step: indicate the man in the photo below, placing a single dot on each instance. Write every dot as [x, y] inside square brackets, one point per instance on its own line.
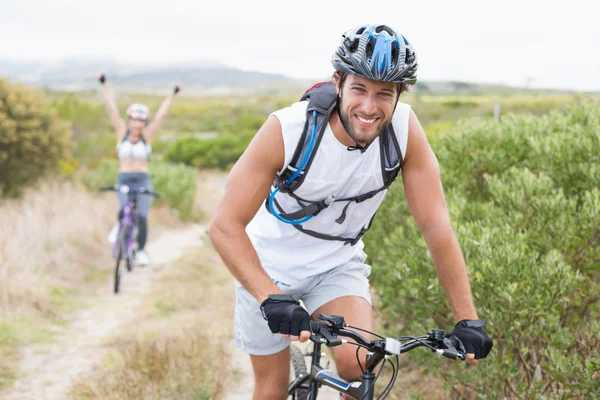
[277, 261]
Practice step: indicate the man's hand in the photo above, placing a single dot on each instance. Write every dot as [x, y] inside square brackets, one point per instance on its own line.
[285, 315]
[477, 344]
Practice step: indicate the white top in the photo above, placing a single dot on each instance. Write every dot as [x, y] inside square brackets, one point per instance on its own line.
[139, 149]
[289, 255]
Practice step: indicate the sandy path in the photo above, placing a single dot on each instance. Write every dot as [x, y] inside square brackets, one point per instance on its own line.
[47, 370]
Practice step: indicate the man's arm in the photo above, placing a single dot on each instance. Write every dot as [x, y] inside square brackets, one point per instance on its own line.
[154, 126]
[423, 187]
[113, 111]
[247, 187]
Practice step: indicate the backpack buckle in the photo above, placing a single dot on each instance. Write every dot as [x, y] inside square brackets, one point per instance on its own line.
[366, 196]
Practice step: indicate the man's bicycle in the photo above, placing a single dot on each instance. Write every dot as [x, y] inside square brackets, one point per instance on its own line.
[125, 246]
[305, 385]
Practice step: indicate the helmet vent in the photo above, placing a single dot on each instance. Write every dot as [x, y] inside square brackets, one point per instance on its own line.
[395, 52]
[369, 49]
[384, 28]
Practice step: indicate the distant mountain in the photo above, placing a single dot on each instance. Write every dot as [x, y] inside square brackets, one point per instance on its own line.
[201, 77]
[81, 74]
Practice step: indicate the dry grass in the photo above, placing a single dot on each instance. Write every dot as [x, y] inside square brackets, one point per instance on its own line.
[50, 242]
[177, 346]
[50, 238]
[53, 254]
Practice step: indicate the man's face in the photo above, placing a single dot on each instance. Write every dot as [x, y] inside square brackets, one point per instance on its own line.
[366, 107]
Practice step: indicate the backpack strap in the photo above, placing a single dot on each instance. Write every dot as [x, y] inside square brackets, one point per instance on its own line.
[126, 136]
[321, 103]
[391, 156]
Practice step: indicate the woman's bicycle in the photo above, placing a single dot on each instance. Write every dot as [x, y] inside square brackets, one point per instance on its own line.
[125, 246]
[305, 384]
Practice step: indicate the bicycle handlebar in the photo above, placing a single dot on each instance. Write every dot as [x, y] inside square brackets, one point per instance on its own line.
[126, 189]
[329, 333]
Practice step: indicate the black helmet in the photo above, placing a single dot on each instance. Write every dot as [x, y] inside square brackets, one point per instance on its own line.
[377, 52]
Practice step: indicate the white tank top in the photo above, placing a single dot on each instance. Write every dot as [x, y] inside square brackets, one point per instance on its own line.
[289, 255]
[139, 150]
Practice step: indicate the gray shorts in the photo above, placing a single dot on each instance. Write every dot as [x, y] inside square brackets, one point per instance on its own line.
[252, 333]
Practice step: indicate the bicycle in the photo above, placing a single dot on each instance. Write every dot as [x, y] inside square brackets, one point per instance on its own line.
[125, 246]
[306, 385]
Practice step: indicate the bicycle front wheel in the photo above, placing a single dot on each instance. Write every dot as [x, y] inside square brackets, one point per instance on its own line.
[133, 250]
[120, 255]
[299, 368]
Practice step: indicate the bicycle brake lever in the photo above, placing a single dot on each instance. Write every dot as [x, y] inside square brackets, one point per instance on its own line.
[323, 334]
[336, 321]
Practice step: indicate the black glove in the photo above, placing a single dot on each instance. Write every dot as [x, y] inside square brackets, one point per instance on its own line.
[102, 78]
[473, 338]
[285, 315]
[177, 89]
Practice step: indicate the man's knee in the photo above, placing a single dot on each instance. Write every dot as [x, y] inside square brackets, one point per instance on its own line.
[347, 365]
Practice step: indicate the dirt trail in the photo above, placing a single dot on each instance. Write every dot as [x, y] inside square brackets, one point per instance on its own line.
[47, 370]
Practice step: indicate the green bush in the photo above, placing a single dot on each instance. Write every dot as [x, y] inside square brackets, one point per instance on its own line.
[524, 199]
[85, 116]
[33, 140]
[175, 183]
[221, 152]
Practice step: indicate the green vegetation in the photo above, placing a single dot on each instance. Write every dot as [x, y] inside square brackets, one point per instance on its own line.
[187, 135]
[175, 183]
[525, 202]
[523, 196]
[33, 140]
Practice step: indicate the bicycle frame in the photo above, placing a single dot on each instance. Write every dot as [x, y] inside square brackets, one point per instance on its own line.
[321, 376]
[127, 222]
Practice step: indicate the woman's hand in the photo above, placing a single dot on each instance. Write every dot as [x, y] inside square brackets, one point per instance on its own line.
[176, 89]
[102, 78]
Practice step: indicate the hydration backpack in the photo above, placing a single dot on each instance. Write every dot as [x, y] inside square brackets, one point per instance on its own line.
[322, 100]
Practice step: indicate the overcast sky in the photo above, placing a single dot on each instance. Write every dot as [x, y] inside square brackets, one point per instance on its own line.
[553, 43]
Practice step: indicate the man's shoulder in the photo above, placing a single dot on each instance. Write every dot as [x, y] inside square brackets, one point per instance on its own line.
[402, 108]
[295, 110]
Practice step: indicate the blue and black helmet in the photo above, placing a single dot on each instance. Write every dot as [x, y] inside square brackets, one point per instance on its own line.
[377, 52]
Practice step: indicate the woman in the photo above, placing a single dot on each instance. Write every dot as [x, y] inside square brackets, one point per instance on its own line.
[134, 142]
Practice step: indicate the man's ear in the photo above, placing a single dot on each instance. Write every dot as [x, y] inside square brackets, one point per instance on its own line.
[337, 79]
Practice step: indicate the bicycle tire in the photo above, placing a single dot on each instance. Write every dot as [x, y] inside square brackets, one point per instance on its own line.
[134, 247]
[120, 253]
[299, 368]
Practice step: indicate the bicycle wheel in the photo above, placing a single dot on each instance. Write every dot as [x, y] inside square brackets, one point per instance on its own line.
[120, 253]
[299, 368]
[134, 246]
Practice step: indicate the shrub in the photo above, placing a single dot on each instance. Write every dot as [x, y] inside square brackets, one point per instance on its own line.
[524, 200]
[32, 138]
[175, 183]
